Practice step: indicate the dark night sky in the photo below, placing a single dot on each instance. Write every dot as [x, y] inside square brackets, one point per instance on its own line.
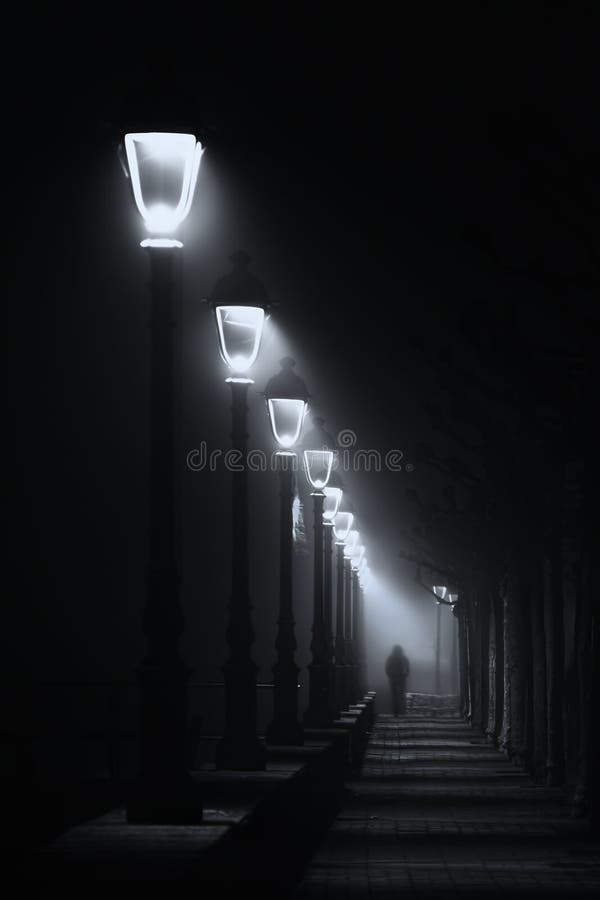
[347, 155]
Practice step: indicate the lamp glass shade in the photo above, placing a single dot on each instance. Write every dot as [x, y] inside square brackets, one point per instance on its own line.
[317, 465]
[357, 555]
[286, 416]
[331, 503]
[342, 523]
[440, 591]
[453, 598]
[163, 168]
[351, 541]
[240, 330]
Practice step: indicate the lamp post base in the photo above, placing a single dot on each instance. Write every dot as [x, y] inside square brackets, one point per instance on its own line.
[165, 800]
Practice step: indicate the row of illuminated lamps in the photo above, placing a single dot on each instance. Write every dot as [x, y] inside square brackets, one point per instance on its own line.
[163, 168]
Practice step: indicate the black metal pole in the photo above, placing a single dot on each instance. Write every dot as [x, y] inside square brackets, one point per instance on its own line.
[348, 654]
[328, 584]
[164, 791]
[355, 678]
[454, 655]
[362, 654]
[240, 748]
[319, 713]
[438, 629]
[340, 649]
[285, 728]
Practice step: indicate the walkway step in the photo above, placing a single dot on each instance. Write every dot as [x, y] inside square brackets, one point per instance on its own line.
[438, 812]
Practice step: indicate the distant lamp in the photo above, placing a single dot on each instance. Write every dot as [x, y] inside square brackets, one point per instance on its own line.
[286, 395]
[342, 523]
[240, 330]
[453, 598]
[163, 168]
[440, 591]
[286, 417]
[317, 465]
[333, 497]
[351, 541]
[357, 556]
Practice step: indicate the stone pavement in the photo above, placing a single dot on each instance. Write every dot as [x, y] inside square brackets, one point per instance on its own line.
[437, 812]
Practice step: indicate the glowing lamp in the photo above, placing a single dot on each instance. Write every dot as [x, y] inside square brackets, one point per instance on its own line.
[440, 591]
[351, 541]
[240, 330]
[342, 523]
[357, 555]
[333, 497]
[163, 168]
[453, 598]
[286, 416]
[317, 465]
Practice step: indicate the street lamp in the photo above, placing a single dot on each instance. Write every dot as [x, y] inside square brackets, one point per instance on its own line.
[163, 169]
[356, 555]
[342, 523]
[352, 542]
[360, 640]
[239, 300]
[286, 396]
[319, 714]
[331, 503]
[440, 591]
[453, 598]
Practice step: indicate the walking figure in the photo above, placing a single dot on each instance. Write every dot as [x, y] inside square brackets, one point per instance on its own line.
[397, 668]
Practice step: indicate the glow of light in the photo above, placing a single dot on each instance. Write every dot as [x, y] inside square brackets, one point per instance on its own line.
[453, 598]
[351, 540]
[160, 242]
[317, 465]
[164, 170]
[331, 503]
[342, 524]
[286, 416]
[440, 591]
[357, 555]
[240, 330]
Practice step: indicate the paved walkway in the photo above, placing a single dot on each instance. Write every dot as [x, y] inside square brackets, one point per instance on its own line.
[437, 812]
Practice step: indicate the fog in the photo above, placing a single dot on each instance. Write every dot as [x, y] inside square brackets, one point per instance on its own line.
[393, 615]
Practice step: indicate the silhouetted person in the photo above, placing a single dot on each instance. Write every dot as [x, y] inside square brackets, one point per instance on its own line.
[397, 668]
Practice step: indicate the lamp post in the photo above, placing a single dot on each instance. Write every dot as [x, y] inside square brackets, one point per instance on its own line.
[351, 542]
[331, 503]
[239, 301]
[319, 713]
[356, 635]
[453, 598]
[440, 591]
[286, 396]
[342, 524]
[361, 646]
[163, 168]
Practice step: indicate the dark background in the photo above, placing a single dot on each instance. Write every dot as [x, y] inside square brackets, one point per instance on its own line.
[366, 165]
